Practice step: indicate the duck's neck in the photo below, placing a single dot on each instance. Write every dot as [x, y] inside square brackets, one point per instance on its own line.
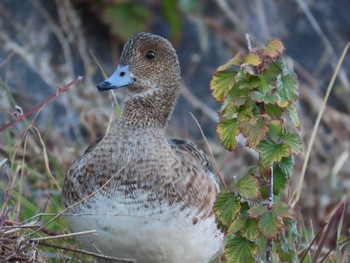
[149, 110]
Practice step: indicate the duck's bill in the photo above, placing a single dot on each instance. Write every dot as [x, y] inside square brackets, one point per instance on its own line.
[120, 78]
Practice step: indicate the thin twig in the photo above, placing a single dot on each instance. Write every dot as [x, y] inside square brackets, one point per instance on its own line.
[88, 232]
[313, 241]
[79, 202]
[296, 194]
[270, 206]
[211, 153]
[41, 105]
[7, 59]
[56, 29]
[80, 251]
[324, 39]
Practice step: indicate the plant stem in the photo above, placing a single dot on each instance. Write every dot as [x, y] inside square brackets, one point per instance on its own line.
[270, 205]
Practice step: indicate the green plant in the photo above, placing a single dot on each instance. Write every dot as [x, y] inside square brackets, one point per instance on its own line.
[258, 94]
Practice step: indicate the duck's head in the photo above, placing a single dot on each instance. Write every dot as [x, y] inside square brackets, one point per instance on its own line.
[148, 63]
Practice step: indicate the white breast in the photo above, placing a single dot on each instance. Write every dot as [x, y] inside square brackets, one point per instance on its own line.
[160, 234]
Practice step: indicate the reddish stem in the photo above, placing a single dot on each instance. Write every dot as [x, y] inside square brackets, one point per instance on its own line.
[41, 105]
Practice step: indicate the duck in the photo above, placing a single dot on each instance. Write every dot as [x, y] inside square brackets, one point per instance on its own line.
[149, 198]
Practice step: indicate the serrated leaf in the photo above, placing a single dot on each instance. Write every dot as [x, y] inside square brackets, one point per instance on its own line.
[285, 165]
[250, 230]
[240, 250]
[270, 225]
[238, 96]
[237, 224]
[275, 128]
[273, 48]
[294, 141]
[293, 114]
[246, 111]
[248, 187]
[252, 169]
[282, 210]
[247, 70]
[257, 211]
[245, 226]
[273, 110]
[258, 96]
[221, 84]
[280, 178]
[254, 129]
[271, 151]
[262, 244]
[285, 251]
[253, 59]
[282, 103]
[227, 131]
[229, 110]
[235, 61]
[226, 207]
[288, 88]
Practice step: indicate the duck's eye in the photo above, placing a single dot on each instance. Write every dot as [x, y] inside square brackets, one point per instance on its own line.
[150, 54]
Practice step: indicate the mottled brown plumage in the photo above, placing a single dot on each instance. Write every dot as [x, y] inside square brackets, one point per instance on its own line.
[151, 198]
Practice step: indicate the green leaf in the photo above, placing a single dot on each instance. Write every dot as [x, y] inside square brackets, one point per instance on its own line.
[248, 70]
[280, 178]
[257, 211]
[240, 250]
[258, 96]
[270, 225]
[292, 111]
[275, 128]
[237, 224]
[282, 210]
[284, 250]
[288, 87]
[250, 230]
[282, 103]
[252, 170]
[262, 244]
[273, 110]
[226, 208]
[126, 19]
[235, 61]
[271, 151]
[229, 110]
[246, 226]
[285, 166]
[273, 48]
[238, 96]
[294, 141]
[254, 129]
[227, 131]
[246, 111]
[248, 187]
[221, 84]
[253, 59]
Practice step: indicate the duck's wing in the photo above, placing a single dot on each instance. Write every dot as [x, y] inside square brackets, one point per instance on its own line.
[188, 150]
[93, 146]
[71, 182]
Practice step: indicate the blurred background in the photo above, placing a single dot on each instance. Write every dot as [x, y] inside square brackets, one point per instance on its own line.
[46, 44]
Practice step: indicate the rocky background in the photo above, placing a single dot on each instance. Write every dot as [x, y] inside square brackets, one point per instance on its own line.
[46, 44]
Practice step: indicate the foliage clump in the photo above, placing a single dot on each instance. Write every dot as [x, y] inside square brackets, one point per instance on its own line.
[258, 95]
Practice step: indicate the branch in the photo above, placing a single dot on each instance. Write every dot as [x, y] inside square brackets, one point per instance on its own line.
[41, 105]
